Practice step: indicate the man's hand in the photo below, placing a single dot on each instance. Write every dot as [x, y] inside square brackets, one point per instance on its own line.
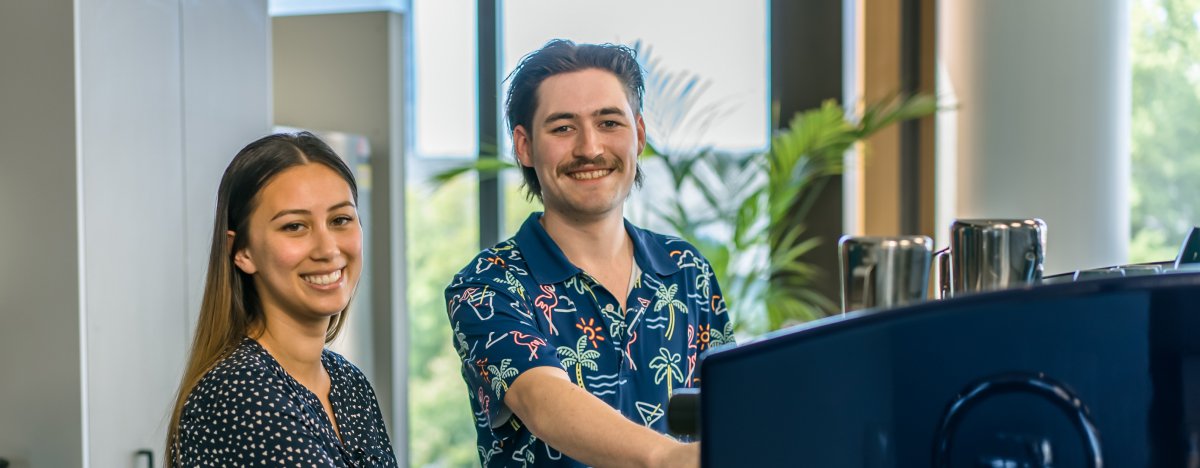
[585, 428]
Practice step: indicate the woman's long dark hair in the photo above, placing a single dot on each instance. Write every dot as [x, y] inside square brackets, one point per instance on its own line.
[231, 308]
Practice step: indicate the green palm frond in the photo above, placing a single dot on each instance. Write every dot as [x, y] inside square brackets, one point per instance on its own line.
[483, 166]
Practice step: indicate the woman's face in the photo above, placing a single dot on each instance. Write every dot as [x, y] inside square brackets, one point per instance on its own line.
[304, 245]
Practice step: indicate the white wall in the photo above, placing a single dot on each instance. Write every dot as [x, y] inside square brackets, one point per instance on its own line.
[117, 181]
[1043, 90]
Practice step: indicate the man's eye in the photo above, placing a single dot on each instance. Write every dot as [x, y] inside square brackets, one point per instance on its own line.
[610, 124]
[560, 129]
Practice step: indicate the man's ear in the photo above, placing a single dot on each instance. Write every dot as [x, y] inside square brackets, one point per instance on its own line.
[241, 258]
[641, 134]
[521, 145]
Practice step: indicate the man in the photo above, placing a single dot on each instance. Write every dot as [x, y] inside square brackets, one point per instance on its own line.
[574, 332]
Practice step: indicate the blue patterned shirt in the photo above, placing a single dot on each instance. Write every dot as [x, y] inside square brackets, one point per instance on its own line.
[522, 304]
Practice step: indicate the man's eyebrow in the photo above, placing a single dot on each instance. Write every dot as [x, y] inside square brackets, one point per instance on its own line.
[558, 116]
[609, 111]
[306, 212]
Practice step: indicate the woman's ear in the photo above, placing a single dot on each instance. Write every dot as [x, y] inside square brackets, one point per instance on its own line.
[241, 258]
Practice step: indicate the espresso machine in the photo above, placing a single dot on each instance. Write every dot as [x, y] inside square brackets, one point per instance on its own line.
[1006, 368]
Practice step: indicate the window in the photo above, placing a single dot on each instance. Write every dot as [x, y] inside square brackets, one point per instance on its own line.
[1165, 142]
[732, 59]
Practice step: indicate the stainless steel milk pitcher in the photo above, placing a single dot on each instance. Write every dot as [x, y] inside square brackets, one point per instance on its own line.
[989, 254]
[881, 272]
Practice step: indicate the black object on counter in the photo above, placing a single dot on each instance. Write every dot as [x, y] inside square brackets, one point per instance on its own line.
[683, 412]
[1189, 253]
[874, 388]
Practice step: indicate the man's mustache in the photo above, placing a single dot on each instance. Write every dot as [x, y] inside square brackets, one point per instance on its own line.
[600, 161]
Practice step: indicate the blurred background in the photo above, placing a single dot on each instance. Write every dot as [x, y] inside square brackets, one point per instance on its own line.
[117, 119]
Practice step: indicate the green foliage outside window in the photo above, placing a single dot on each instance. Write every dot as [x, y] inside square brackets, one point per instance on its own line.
[443, 235]
[1165, 140]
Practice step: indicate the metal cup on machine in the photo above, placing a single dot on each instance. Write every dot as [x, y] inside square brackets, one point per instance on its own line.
[881, 272]
[991, 254]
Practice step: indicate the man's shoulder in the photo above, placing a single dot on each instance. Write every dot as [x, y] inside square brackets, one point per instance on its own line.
[683, 253]
[501, 255]
[665, 240]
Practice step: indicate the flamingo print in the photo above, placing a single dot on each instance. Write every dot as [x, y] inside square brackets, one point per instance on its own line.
[542, 302]
[484, 399]
[531, 342]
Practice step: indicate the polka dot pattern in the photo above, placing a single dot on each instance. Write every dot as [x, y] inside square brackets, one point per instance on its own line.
[247, 411]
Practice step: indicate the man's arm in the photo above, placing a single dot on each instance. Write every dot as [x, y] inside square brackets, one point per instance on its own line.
[585, 428]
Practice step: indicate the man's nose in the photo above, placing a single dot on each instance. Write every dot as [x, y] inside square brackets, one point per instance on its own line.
[587, 143]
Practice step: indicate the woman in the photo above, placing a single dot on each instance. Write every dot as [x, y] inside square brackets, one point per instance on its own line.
[260, 388]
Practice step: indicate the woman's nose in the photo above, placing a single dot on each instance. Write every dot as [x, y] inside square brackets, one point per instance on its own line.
[324, 244]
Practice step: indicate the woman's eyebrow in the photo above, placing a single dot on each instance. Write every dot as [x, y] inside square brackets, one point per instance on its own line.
[306, 212]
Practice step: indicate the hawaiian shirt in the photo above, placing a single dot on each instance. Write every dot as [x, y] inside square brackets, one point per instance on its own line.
[522, 304]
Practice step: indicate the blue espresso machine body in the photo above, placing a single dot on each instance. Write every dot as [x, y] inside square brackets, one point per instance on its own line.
[1092, 373]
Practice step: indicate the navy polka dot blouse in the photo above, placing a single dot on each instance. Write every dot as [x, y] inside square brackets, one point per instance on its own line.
[248, 412]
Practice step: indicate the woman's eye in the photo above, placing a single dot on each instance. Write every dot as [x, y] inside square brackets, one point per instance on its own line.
[342, 220]
[293, 227]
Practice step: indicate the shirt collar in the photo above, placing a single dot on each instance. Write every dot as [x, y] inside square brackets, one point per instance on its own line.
[549, 265]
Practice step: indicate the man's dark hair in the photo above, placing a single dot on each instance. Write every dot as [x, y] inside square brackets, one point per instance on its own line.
[564, 56]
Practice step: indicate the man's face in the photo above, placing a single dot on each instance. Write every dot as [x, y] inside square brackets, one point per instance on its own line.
[583, 142]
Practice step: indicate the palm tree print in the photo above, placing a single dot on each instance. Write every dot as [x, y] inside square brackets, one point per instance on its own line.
[514, 285]
[666, 298]
[703, 278]
[721, 337]
[579, 357]
[666, 365]
[499, 374]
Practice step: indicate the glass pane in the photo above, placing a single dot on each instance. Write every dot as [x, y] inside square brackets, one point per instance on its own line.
[443, 235]
[730, 110]
[731, 58]
[444, 77]
[443, 227]
[1165, 143]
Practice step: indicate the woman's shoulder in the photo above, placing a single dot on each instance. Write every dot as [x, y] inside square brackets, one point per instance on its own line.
[246, 377]
[339, 366]
[248, 362]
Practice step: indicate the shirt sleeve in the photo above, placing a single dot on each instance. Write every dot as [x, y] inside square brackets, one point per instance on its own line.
[720, 325]
[497, 338]
[234, 423]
